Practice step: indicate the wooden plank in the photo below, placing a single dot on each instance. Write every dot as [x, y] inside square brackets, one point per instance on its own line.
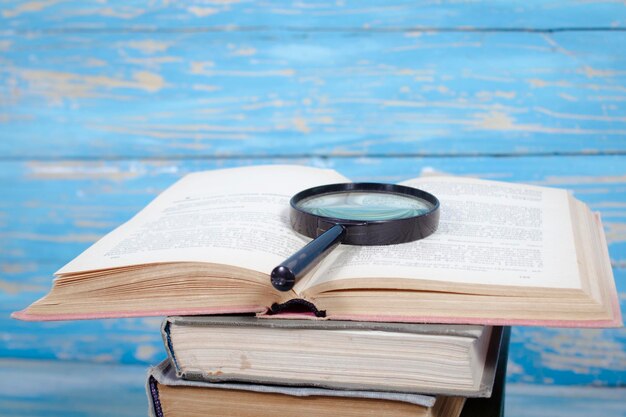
[565, 401]
[53, 210]
[207, 95]
[43, 388]
[570, 356]
[28, 15]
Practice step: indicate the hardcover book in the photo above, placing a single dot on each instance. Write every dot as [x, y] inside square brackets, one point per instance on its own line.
[454, 360]
[170, 396]
[504, 253]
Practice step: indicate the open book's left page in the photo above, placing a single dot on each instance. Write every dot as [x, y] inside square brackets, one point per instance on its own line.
[237, 217]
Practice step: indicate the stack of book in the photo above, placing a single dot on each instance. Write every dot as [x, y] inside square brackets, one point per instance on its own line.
[243, 366]
[407, 329]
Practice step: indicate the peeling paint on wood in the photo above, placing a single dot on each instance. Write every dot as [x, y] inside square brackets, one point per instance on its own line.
[45, 388]
[325, 15]
[297, 93]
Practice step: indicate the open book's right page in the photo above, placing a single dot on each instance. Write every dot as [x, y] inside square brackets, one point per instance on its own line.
[493, 237]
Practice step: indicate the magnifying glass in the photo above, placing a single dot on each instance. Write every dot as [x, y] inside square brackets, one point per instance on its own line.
[354, 214]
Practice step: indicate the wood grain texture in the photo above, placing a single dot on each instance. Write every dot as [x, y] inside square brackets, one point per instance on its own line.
[541, 401]
[44, 388]
[232, 94]
[29, 15]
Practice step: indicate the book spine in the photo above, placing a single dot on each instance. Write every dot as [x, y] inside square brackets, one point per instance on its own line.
[154, 405]
[169, 346]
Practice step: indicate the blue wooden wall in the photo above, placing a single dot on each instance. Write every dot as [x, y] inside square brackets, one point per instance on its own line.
[103, 105]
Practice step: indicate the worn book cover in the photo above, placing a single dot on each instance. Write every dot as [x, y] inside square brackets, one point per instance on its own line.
[399, 357]
[169, 395]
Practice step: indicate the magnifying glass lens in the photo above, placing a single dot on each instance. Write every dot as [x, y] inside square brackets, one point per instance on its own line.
[365, 205]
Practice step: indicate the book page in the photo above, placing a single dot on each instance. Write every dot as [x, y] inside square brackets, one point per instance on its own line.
[490, 233]
[236, 217]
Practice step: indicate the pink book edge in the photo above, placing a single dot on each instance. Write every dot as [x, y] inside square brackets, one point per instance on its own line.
[261, 311]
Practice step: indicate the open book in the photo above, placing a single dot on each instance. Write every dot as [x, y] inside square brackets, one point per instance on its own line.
[503, 254]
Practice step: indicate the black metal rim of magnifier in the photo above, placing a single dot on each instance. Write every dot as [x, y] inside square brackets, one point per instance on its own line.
[371, 232]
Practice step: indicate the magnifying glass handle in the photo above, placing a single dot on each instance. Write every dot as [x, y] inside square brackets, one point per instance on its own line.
[285, 275]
